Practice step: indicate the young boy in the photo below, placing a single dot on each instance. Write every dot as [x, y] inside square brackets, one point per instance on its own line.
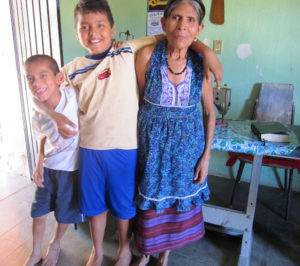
[56, 173]
[108, 103]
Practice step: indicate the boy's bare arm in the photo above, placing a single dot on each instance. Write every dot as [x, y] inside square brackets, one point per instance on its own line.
[38, 173]
[211, 62]
[142, 62]
[65, 127]
[160, 37]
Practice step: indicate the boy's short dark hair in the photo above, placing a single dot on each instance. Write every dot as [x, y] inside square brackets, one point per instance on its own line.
[42, 57]
[87, 6]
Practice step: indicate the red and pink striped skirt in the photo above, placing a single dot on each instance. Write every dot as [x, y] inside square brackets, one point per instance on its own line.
[157, 232]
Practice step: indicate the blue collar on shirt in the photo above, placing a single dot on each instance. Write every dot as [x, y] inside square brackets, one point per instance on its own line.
[98, 56]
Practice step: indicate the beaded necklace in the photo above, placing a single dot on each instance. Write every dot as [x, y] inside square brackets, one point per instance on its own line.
[176, 73]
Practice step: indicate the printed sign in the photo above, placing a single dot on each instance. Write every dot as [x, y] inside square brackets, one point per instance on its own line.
[154, 25]
[155, 12]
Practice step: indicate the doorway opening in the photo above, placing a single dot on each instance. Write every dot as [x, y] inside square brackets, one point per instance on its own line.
[29, 27]
[13, 154]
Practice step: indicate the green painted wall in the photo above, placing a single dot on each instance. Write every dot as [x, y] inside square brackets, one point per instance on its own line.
[271, 29]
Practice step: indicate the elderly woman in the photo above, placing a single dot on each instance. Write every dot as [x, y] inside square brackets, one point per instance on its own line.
[174, 136]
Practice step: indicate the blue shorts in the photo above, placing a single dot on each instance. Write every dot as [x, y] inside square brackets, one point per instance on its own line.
[107, 181]
[60, 194]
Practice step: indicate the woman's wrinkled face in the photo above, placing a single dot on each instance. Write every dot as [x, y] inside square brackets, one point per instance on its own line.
[182, 26]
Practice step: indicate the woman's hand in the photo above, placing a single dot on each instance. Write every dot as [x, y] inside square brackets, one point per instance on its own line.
[201, 171]
[65, 127]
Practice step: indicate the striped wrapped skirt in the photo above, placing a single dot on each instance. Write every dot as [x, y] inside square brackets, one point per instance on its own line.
[157, 232]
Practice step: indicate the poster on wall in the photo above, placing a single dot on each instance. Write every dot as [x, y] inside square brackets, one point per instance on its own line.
[155, 12]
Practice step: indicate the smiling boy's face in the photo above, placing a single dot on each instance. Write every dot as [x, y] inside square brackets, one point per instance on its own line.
[43, 82]
[94, 32]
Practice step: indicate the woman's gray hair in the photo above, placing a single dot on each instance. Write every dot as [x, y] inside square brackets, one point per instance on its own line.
[197, 4]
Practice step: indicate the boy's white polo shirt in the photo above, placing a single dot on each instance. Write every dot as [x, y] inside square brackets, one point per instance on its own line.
[108, 97]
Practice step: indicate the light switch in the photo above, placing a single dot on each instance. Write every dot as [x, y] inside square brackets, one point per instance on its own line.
[218, 46]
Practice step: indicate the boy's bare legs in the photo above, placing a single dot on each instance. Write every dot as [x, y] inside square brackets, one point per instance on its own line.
[38, 230]
[54, 245]
[97, 228]
[124, 253]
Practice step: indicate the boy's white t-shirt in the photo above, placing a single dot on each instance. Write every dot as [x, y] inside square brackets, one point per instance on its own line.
[60, 153]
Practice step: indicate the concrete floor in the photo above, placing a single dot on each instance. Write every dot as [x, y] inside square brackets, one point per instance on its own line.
[275, 242]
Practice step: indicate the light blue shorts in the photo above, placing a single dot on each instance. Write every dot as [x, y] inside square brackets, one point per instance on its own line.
[107, 181]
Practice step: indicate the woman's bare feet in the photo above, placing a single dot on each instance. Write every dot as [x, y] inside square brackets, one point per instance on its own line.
[163, 258]
[52, 255]
[142, 261]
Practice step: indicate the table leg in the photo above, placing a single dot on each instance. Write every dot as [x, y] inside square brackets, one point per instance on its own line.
[245, 254]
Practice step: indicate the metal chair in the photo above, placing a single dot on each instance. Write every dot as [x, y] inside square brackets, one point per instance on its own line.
[275, 103]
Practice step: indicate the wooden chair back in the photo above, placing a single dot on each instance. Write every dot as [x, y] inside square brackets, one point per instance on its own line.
[275, 103]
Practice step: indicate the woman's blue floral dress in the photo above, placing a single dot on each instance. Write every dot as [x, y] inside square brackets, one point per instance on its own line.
[170, 137]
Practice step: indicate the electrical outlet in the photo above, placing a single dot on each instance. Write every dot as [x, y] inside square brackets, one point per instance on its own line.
[218, 46]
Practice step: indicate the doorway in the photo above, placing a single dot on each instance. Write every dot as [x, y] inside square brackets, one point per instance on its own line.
[28, 27]
[13, 155]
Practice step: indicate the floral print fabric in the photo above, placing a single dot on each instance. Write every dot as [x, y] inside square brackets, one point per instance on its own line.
[170, 137]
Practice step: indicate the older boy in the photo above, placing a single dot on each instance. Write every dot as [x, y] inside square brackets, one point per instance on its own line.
[108, 103]
[56, 171]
